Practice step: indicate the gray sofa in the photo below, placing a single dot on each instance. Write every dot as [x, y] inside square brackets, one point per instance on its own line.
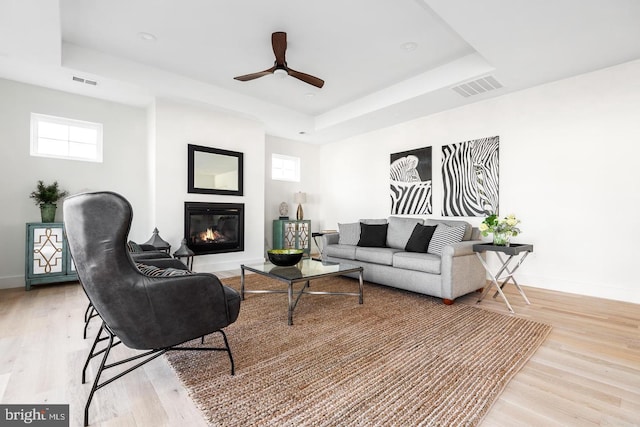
[446, 268]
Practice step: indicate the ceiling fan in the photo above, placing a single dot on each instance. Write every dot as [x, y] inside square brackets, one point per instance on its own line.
[279, 44]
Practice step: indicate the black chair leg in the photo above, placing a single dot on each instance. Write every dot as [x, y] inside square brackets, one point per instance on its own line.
[228, 350]
[149, 355]
[96, 385]
[86, 312]
[90, 355]
[87, 318]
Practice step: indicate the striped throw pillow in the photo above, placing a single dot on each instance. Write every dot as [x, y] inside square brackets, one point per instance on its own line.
[153, 271]
[443, 236]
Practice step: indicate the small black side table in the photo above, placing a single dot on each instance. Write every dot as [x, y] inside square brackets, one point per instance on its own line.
[515, 250]
[188, 260]
[186, 253]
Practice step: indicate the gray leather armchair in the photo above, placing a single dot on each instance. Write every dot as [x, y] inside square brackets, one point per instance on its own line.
[162, 261]
[156, 314]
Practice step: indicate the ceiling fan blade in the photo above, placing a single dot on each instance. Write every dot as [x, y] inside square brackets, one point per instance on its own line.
[252, 76]
[279, 44]
[307, 78]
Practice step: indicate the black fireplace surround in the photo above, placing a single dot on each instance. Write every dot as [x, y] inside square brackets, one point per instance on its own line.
[213, 228]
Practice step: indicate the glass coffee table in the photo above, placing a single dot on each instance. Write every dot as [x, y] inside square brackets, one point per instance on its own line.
[303, 272]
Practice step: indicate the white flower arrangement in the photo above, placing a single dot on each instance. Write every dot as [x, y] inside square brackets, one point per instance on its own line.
[507, 225]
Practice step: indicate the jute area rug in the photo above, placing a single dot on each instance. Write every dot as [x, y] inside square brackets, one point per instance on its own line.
[400, 359]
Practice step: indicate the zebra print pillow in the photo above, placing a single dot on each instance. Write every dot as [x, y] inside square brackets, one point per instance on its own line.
[349, 233]
[153, 271]
[443, 236]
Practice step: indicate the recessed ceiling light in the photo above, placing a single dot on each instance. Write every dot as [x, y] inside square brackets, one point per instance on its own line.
[409, 46]
[147, 37]
[309, 95]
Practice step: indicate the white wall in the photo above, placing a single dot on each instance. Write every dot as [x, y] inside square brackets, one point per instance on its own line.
[175, 126]
[568, 168]
[124, 167]
[145, 160]
[277, 192]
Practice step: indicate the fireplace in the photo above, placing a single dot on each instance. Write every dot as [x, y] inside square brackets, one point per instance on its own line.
[213, 228]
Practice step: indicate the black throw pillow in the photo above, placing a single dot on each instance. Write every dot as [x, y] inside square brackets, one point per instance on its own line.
[373, 235]
[420, 238]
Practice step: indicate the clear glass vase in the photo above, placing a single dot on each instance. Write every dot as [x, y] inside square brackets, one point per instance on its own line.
[501, 238]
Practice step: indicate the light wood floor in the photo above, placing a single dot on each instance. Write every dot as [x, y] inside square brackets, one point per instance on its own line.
[586, 373]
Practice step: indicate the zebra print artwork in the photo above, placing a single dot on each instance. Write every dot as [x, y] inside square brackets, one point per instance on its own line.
[410, 174]
[470, 177]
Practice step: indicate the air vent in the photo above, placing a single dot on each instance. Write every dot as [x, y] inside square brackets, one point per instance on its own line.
[87, 81]
[478, 86]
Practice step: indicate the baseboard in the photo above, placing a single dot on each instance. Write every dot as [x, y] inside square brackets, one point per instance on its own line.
[600, 290]
[209, 267]
[11, 282]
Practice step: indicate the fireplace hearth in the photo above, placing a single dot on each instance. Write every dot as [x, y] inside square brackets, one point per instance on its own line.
[212, 228]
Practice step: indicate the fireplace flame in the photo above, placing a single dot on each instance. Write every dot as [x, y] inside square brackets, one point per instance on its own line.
[211, 236]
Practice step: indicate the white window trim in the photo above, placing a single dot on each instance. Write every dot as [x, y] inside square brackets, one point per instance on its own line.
[295, 160]
[36, 118]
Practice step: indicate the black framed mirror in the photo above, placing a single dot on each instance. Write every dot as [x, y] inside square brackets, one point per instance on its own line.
[214, 171]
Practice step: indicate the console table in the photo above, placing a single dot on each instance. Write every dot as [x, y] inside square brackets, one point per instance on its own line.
[515, 251]
[47, 259]
[292, 234]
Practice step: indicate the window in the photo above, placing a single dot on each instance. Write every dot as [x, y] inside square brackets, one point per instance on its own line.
[285, 168]
[62, 138]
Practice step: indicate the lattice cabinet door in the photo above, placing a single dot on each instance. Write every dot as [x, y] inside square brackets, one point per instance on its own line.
[47, 258]
[292, 234]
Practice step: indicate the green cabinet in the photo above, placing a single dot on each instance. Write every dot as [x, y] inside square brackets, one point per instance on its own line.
[47, 258]
[292, 234]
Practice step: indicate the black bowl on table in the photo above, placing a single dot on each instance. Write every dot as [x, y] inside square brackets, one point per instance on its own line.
[285, 257]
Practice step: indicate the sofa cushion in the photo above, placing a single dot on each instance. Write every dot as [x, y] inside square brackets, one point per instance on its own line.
[400, 230]
[349, 233]
[445, 235]
[373, 235]
[340, 251]
[374, 221]
[382, 256]
[453, 223]
[420, 238]
[427, 263]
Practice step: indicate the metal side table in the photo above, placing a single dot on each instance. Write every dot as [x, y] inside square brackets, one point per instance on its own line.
[517, 251]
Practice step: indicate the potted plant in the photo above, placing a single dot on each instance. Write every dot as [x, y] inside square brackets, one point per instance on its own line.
[502, 229]
[46, 196]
